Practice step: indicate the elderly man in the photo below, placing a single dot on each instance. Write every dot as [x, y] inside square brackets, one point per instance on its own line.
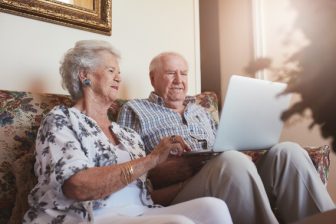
[282, 187]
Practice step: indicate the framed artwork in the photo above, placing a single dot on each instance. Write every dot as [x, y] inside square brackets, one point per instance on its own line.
[90, 15]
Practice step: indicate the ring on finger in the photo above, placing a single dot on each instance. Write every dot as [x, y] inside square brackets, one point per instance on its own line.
[174, 151]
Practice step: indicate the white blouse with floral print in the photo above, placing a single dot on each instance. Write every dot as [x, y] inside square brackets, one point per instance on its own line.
[67, 142]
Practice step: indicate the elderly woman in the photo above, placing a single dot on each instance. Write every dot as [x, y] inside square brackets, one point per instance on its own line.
[93, 171]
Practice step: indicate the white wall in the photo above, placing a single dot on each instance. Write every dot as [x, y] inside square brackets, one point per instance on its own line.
[31, 49]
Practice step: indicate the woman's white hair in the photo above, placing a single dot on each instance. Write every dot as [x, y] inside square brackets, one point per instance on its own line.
[83, 57]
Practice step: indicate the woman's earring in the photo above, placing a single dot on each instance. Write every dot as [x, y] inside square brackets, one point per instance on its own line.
[87, 82]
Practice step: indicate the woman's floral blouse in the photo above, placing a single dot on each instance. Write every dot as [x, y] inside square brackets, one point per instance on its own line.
[68, 141]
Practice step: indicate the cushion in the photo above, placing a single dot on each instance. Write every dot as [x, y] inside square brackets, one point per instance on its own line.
[20, 117]
[321, 160]
[209, 101]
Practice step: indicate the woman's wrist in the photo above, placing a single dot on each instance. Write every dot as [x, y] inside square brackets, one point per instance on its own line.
[154, 159]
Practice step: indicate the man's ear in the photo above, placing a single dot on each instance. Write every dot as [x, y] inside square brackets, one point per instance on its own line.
[151, 76]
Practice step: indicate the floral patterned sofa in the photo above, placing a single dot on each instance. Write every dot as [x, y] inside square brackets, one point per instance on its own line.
[20, 117]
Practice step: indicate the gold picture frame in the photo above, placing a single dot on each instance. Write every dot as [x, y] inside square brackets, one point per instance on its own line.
[98, 19]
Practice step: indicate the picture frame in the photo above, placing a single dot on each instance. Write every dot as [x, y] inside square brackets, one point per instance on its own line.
[97, 18]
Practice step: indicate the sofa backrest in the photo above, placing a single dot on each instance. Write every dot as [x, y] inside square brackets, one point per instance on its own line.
[20, 117]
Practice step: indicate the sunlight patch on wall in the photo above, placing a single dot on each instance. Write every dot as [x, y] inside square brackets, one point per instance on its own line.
[274, 34]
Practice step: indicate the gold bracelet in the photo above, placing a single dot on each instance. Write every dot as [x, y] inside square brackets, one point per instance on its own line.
[123, 176]
[131, 171]
[127, 173]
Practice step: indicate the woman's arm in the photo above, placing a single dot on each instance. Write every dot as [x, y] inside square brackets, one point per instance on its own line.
[177, 169]
[99, 182]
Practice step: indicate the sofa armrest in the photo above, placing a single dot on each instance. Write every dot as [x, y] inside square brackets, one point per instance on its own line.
[321, 160]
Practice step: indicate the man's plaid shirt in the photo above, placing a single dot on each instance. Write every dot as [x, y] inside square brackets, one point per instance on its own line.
[153, 121]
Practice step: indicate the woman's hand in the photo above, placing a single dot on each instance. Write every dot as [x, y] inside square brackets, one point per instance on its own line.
[173, 145]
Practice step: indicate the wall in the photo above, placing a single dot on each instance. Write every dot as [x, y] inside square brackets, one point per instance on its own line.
[210, 52]
[31, 49]
[226, 41]
[230, 38]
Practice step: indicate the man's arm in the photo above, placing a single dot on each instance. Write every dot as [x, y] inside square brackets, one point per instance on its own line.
[172, 171]
[165, 196]
[176, 169]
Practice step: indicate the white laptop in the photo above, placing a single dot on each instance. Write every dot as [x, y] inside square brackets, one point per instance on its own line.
[250, 118]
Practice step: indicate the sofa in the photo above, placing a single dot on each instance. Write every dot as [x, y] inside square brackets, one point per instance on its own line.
[20, 117]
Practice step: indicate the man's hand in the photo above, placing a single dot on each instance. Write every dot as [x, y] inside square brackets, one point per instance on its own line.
[176, 169]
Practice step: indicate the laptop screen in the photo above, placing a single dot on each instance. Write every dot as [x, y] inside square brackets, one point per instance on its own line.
[250, 118]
